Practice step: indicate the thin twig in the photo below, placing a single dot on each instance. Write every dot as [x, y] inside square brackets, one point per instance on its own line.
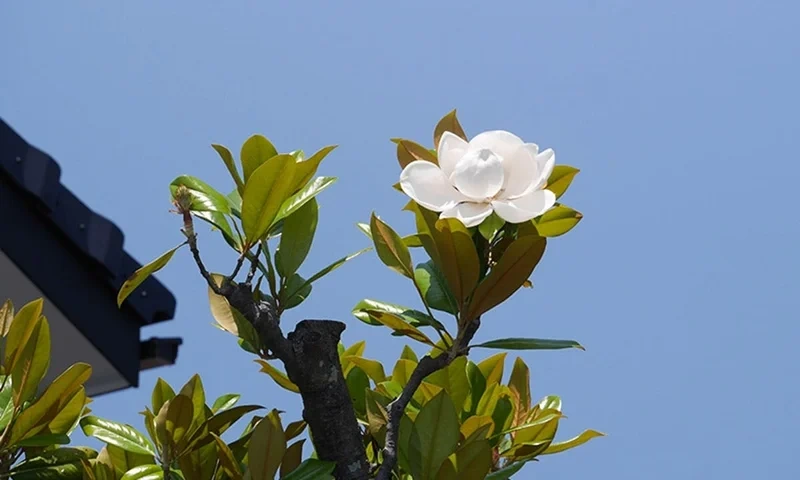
[199, 261]
[239, 263]
[253, 266]
[426, 366]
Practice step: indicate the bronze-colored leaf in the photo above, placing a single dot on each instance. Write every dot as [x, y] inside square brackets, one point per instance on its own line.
[508, 275]
[448, 123]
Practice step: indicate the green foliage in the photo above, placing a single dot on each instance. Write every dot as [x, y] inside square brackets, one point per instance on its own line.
[35, 418]
[481, 424]
[185, 440]
[462, 422]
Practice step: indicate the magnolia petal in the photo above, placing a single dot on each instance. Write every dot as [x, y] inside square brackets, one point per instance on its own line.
[521, 170]
[526, 207]
[500, 142]
[427, 185]
[479, 174]
[451, 149]
[469, 213]
[545, 162]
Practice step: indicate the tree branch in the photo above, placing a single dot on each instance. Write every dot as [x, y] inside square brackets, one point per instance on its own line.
[426, 366]
[311, 358]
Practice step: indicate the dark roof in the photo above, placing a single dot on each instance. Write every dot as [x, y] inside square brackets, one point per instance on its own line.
[44, 224]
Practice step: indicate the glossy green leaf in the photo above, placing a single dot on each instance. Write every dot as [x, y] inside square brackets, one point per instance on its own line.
[448, 123]
[476, 427]
[193, 389]
[123, 460]
[60, 463]
[123, 436]
[377, 415]
[399, 325]
[204, 196]
[296, 291]
[162, 393]
[225, 402]
[414, 317]
[411, 241]
[32, 363]
[390, 247]
[280, 378]
[295, 429]
[245, 330]
[142, 273]
[222, 421]
[357, 385]
[354, 350]
[402, 371]
[292, 458]
[6, 317]
[560, 179]
[235, 201]
[7, 408]
[307, 168]
[264, 193]
[453, 379]
[409, 354]
[404, 443]
[219, 221]
[520, 382]
[409, 151]
[517, 343]
[144, 472]
[44, 440]
[267, 446]
[434, 288]
[312, 469]
[506, 472]
[230, 164]
[458, 257]
[557, 221]
[489, 227]
[25, 321]
[477, 387]
[36, 417]
[492, 368]
[309, 191]
[179, 420]
[256, 150]
[333, 266]
[72, 408]
[372, 368]
[502, 414]
[584, 437]
[227, 460]
[505, 278]
[473, 460]
[295, 243]
[434, 436]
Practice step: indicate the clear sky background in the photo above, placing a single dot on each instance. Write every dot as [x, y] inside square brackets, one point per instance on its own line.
[683, 116]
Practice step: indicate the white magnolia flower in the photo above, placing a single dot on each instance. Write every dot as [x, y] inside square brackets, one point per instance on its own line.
[495, 171]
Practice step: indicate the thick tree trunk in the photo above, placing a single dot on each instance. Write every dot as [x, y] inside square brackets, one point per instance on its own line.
[311, 358]
[327, 407]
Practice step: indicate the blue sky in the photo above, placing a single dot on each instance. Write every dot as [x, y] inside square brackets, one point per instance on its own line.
[682, 116]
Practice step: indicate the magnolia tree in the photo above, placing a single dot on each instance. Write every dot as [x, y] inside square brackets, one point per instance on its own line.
[484, 210]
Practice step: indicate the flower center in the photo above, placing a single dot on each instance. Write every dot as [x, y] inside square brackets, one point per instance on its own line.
[479, 175]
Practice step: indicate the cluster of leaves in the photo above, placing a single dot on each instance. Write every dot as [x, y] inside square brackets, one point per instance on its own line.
[184, 441]
[273, 203]
[36, 419]
[462, 422]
